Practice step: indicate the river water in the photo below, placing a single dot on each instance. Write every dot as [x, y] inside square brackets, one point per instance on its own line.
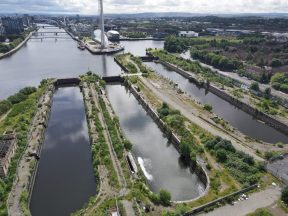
[41, 59]
[158, 159]
[236, 117]
[65, 179]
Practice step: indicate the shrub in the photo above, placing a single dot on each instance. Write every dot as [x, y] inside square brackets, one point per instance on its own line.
[4, 106]
[208, 107]
[255, 86]
[276, 63]
[127, 145]
[261, 212]
[164, 197]
[221, 155]
[284, 195]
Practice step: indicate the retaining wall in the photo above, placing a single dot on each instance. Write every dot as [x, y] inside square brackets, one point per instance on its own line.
[42, 125]
[121, 66]
[66, 82]
[112, 79]
[269, 120]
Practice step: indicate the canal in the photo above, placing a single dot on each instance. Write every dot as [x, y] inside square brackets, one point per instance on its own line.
[158, 159]
[65, 179]
[236, 117]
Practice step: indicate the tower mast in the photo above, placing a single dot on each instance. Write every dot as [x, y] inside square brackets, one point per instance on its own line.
[103, 45]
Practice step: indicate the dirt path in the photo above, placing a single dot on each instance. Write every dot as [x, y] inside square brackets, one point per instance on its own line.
[256, 200]
[187, 111]
[4, 116]
[115, 161]
[35, 139]
[105, 189]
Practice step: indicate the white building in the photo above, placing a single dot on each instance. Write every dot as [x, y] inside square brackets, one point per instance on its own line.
[113, 35]
[188, 34]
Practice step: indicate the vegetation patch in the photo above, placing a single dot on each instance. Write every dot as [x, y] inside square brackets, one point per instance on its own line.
[19, 119]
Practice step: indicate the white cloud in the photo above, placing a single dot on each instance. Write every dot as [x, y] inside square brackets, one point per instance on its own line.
[138, 6]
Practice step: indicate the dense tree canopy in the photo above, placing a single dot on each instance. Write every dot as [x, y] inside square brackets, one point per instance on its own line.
[280, 82]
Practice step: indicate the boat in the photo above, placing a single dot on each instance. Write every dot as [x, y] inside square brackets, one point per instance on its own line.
[81, 46]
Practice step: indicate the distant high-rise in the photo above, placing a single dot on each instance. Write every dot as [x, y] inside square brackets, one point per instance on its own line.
[12, 25]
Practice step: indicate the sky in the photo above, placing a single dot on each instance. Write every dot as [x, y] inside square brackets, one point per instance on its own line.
[138, 6]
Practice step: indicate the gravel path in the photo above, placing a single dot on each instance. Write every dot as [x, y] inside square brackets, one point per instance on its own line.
[187, 111]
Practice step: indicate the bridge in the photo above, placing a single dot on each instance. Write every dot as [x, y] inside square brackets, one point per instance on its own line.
[49, 37]
[51, 32]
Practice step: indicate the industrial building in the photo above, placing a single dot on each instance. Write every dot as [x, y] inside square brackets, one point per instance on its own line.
[8, 145]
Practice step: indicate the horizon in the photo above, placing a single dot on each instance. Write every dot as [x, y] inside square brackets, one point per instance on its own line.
[90, 7]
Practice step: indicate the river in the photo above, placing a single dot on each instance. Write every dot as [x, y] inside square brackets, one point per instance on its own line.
[158, 159]
[236, 117]
[41, 59]
[62, 184]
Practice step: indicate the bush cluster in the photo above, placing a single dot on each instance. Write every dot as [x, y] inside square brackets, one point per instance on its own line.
[241, 165]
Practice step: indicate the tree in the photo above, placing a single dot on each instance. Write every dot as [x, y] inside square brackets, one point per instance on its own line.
[284, 196]
[127, 145]
[221, 155]
[164, 197]
[4, 106]
[276, 62]
[267, 93]
[185, 150]
[255, 86]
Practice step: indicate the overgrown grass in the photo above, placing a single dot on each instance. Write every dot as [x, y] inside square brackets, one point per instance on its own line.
[19, 119]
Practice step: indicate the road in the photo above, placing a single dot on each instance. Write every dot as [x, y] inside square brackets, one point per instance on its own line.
[257, 200]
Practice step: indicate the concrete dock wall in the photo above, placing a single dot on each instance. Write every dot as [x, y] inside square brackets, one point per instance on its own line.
[41, 124]
[269, 120]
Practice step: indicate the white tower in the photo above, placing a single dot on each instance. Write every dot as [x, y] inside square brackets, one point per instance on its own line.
[103, 43]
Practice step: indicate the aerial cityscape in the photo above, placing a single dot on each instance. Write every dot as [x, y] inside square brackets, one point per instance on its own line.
[143, 108]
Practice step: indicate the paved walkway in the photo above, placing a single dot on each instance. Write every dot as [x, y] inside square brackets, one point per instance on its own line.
[257, 200]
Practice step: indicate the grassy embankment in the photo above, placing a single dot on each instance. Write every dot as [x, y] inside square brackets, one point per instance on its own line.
[22, 106]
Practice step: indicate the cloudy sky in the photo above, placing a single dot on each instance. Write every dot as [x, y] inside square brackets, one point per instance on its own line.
[138, 6]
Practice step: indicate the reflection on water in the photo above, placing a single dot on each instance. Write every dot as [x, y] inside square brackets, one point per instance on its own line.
[157, 158]
[236, 117]
[39, 60]
[65, 179]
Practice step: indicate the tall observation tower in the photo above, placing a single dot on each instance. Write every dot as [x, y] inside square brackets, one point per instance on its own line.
[100, 43]
[103, 42]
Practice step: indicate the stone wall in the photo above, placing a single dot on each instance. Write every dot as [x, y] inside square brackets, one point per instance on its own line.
[269, 120]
